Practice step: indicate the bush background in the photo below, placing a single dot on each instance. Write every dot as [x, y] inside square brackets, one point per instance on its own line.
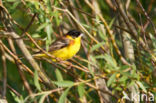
[117, 56]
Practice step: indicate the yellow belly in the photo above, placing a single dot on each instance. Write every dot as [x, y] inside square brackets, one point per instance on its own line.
[67, 52]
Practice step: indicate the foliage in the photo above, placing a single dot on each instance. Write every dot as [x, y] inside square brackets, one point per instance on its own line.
[104, 54]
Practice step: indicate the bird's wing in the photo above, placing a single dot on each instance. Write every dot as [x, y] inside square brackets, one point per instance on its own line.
[58, 44]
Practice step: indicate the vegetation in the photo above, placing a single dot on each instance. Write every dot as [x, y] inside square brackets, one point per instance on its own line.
[116, 63]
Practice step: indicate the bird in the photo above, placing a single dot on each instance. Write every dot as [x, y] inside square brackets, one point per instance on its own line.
[64, 47]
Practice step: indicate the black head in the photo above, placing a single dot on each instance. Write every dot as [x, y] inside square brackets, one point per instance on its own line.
[74, 33]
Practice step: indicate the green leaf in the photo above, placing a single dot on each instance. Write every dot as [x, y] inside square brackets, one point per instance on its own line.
[110, 61]
[56, 2]
[64, 83]
[90, 69]
[124, 67]
[86, 26]
[93, 61]
[58, 75]
[47, 44]
[43, 98]
[36, 35]
[126, 74]
[15, 4]
[111, 79]
[89, 27]
[42, 26]
[111, 23]
[56, 15]
[36, 81]
[81, 90]
[100, 56]
[11, 0]
[153, 40]
[49, 30]
[102, 35]
[131, 84]
[118, 89]
[63, 96]
[48, 3]
[16, 98]
[96, 46]
[141, 86]
[123, 79]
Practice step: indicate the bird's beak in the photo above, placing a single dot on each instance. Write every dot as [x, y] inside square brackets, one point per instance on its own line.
[81, 34]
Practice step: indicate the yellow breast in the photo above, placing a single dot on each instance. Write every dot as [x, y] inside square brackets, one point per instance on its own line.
[69, 51]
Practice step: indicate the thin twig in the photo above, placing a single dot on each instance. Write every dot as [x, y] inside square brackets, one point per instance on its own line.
[30, 23]
[110, 34]
[146, 15]
[7, 22]
[4, 72]
[17, 59]
[20, 68]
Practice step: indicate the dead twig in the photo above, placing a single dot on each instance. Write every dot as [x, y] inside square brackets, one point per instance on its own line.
[146, 15]
[4, 72]
[7, 23]
[17, 59]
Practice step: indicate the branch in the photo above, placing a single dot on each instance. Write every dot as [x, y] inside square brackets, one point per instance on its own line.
[4, 72]
[6, 21]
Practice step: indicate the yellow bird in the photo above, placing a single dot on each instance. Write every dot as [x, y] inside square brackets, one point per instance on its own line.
[65, 47]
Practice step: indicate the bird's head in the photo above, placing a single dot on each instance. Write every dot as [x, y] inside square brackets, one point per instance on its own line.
[74, 33]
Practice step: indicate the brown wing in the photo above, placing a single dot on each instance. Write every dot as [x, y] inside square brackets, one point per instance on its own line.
[58, 44]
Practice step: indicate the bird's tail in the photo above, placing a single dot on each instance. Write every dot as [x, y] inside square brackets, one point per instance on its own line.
[36, 55]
